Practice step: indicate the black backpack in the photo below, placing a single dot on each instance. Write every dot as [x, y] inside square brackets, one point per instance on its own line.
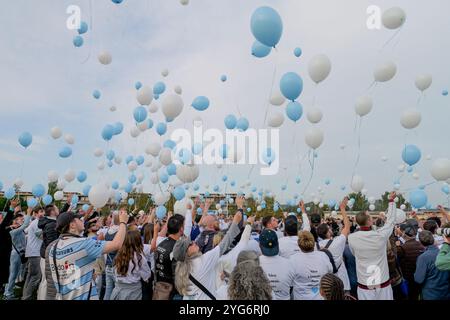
[328, 253]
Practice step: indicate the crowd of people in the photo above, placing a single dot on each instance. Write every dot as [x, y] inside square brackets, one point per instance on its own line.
[72, 254]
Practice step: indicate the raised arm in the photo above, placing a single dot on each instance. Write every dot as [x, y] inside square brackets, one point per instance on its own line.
[117, 242]
[306, 225]
[346, 230]
[25, 224]
[387, 229]
[188, 221]
[231, 234]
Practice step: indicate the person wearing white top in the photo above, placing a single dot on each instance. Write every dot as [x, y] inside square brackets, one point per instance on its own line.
[336, 245]
[279, 270]
[289, 243]
[369, 248]
[310, 266]
[270, 222]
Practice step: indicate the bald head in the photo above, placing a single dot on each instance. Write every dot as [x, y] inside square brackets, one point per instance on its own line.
[211, 223]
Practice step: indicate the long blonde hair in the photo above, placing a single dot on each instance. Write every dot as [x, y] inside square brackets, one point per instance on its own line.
[182, 272]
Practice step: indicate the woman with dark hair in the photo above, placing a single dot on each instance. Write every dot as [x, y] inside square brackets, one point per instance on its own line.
[332, 287]
[130, 266]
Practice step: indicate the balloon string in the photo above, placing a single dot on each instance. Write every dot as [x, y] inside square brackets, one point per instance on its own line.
[390, 39]
[271, 87]
[358, 155]
[250, 172]
[425, 185]
[311, 164]
[314, 95]
[22, 167]
[91, 23]
[301, 161]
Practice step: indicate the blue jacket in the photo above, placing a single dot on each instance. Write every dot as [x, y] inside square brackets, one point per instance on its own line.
[435, 283]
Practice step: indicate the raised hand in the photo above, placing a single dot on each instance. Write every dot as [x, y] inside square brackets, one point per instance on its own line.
[240, 202]
[237, 217]
[343, 204]
[392, 196]
[301, 205]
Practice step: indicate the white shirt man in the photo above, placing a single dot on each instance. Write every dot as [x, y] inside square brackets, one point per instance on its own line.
[369, 248]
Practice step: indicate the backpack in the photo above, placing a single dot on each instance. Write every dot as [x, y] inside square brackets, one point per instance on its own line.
[328, 253]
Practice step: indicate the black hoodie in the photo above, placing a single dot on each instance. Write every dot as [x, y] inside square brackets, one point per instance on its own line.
[49, 233]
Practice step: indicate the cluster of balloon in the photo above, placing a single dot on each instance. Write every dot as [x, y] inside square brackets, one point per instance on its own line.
[266, 26]
[111, 130]
[78, 40]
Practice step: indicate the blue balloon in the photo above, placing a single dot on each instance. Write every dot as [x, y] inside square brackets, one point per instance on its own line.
[223, 78]
[115, 185]
[409, 169]
[129, 159]
[327, 181]
[283, 187]
[242, 124]
[200, 103]
[267, 26]
[179, 193]
[230, 122]
[47, 199]
[25, 139]
[140, 160]
[291, 86]
[232, 183]
[96, 94]
[156, 96]
[249, 210]
[411, 155]
[140, 114]
[163, 177]
[268, 156]
[299, 210]
[65, 152]
[83, 28]
[332, 203]
[199, 211]
[445, 93]
[207, 194]
[138, 85]
[85, 207]
[159, 88]
[171, 169]
[107, 132]
[294, 111]
[86, 190]
[78, 41]
[298, 180]
[150, 123]
[254, 189]
[196, 187]
[32, 203]
[216, 188]
[343, 188]
[445, 189]
[82, 176]
[118, 128]
[185, 156]
[161, 128]
[297, 52]
[186, 187]
[197, 148]
[110, 155]
[132, 178]
[161, 212]
[224, 178]
[10, 193]
[75, 200]
[38, 190]
[169, 144]
[128, 188]
[418, 199]
[130, 202]
[259, 50]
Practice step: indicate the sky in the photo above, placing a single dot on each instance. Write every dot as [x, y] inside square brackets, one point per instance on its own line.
[47, 82]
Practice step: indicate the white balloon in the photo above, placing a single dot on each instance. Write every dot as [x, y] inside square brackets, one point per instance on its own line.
[401, 168]
[402, 207]
[113, 109]
[342, 146]
[178, 90]
[101, 165]
[105, 58]
[371, 200]
[314, 138]
[144, 96]
[385, 71]
[424, 81]
[400, 217]
[334, 214]
[69, 175]
[118, 159]
[53, 176]
[321, 205]
[314, 115]
[428, 157]
[153, 107]
[58, 196]
[154, 178]
[364, 192]
[188, 173]
[440, 169]
[153, 149]
[384, 158]
[165, 73]
[132, 166]
[277, 99]
[258, 208]
[56, 132]
[99, 195]
[143, 126]
[165, 156]
[61, 184]
[69, 139]
[98, 152]
[231, 200]
[394, 18]
[276, 119]
[18, 183]
[416, 176]
[140, 177]
[160, 198]
[372, 207]
[410, 118]
[218, 206]
[357, 183]
[363, 106]
[135, 132]
[172, 106]
[319, 68]
[180, 206]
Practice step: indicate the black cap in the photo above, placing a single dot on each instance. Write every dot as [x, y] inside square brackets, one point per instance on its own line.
[291, 225]
[64, 219]
[268, 241]
[316, 218]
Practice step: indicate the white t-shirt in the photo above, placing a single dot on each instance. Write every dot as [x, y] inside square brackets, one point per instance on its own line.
[253, 245]
[288, 246]
[281, 275]
[134, 276]
[309, 268]
[34, 242]
[336, 249]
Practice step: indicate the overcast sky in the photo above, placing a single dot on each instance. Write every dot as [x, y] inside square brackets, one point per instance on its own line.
[46, 82]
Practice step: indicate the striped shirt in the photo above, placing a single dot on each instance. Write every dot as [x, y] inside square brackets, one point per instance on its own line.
[75, 259]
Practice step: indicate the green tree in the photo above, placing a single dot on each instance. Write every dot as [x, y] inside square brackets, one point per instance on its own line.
[361, 202]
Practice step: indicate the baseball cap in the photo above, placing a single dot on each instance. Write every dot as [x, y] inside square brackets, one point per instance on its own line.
[268, 242]
[64, 219]
[180, 249]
